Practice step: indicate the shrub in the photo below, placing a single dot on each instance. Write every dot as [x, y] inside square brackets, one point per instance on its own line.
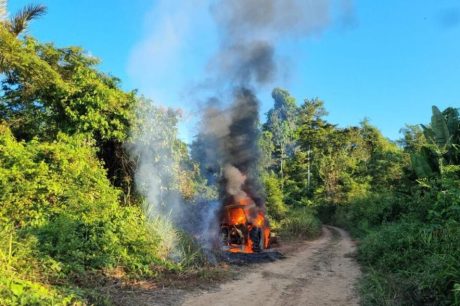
[66, 220]
[420, 261]
[23, 280]
[115, 237]
[276, 208]
[365, 213]
[301, 223]
[409, 245]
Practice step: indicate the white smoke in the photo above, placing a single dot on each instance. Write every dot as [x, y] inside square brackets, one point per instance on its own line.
[235, 181]
[169, 47]
[153, 148]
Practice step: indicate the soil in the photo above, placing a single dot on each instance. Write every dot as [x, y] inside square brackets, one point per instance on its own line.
[318, 272]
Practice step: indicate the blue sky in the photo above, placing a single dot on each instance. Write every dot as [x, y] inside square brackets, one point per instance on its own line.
[390, 62]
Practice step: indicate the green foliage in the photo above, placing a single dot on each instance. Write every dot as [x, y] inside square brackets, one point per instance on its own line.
[154, 146]
[66, 213]
[188, 252]
[409, 234]
[297, 192]
[301, 223]
[267, 148]
[344, 163]
[281, 125]
[48, 90]
[419, 260]
[21, 274]
[442, 145]
[63, 125]
[421, 165]
[438, 133]
[62, 88]
[40, 180]
[363, 214]
[109, 239]
[276, 208]
[409, 242]
[413, 138]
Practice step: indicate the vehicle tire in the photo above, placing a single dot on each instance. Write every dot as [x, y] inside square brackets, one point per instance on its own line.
[257, 240]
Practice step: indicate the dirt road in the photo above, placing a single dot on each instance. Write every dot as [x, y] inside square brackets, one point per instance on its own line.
[319, 272]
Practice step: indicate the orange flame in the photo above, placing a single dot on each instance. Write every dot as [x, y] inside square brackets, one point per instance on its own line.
[246, 216]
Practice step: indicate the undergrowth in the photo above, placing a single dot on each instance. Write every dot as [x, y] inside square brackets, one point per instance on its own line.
[300, 223]
[409, 245]
[65, 230]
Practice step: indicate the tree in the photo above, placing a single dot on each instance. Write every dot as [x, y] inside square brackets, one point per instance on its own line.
[19, 22]
[281, 123]
[312, 136]
[48, 90]
[386, 160]
[343, 163]
[164, 169]
[276, 207]
[62, 87]
[413, 139]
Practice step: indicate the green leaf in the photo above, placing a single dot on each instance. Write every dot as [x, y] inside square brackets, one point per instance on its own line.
[17, 289]
[439, 126]
[420, 165]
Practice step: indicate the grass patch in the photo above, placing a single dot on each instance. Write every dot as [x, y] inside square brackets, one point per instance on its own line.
[300, 223]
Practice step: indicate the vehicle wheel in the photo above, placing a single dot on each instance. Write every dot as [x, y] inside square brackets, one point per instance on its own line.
[257, 240]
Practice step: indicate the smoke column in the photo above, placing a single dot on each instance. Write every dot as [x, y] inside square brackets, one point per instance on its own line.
[246, 59]
[249, 32]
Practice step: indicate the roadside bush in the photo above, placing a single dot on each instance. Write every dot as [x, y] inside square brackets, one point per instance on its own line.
[419, 262]
[409, 243]
[22, 277]
[301, 223]
[65, 220]
[363, 214]
[40, 180]
[117, 237]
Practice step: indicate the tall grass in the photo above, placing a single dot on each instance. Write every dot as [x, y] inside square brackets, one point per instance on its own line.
[176, 245]
[409, 245]
[300, 223]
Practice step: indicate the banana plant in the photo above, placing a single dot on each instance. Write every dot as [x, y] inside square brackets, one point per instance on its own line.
[421, 165]
[443, 137]
[438, 132]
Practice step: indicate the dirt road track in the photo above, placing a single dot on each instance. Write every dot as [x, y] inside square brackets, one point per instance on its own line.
[320, 272]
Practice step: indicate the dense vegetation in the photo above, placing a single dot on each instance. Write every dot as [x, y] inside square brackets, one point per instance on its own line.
[69, 214]
[401, 200]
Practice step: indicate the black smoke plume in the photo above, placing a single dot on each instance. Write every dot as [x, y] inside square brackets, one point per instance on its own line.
[249, 32]
[240, 144]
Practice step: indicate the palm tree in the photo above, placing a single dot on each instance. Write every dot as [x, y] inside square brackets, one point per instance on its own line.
[2, 10]
[19, 22]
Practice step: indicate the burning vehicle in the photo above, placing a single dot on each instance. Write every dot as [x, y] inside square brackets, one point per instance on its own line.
[231, 157]
[244, 228]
